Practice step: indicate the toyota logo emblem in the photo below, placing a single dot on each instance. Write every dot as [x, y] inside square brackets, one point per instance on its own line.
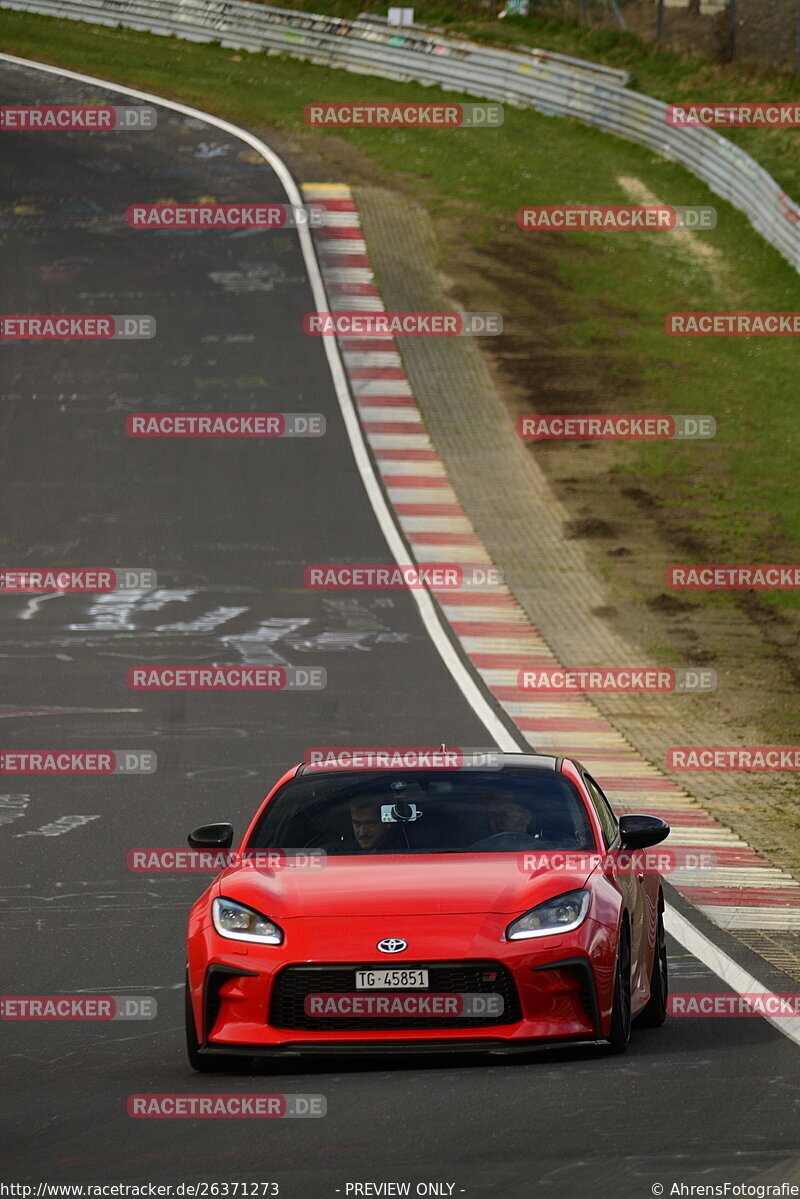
[392, 945]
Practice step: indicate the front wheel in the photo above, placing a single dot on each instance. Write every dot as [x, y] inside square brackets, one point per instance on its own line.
[654, 1013]
[621, 1011]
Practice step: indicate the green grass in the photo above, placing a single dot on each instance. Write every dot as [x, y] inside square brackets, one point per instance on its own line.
[667, 75]
[740, 490]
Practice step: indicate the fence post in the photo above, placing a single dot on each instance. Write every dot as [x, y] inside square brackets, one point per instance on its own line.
[731, 53]
[618, 15]
[660, 20]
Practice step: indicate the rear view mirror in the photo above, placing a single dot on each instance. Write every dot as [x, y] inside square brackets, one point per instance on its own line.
[638, 831]
[211, 836]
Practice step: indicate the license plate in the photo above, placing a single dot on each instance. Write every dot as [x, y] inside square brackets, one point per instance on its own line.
[391, 980]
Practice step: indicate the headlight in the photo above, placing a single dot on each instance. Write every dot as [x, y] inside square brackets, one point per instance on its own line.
[559, 915]
[238, 923]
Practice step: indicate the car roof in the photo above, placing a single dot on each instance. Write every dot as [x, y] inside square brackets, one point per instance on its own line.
[526, 761]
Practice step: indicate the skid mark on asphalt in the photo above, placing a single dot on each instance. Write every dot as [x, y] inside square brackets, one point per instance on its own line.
[121, 618]
[253, 277]
[12, 807]
[33, 605]
[57, 828]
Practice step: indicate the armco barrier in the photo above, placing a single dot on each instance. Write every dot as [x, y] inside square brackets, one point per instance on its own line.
[547, 83]
[515, 57]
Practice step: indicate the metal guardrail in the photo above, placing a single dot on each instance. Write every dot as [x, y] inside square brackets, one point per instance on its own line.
[545, 84]
[517, 55]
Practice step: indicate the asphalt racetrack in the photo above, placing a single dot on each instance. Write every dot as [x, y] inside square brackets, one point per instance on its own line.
[229, 526]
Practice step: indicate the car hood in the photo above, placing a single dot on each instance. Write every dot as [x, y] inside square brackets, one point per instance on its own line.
[390, 886]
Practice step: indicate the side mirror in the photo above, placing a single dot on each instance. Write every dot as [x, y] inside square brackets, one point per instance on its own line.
[639, 831]
[211, 836]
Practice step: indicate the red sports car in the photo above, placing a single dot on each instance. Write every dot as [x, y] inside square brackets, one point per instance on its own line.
[427, 909]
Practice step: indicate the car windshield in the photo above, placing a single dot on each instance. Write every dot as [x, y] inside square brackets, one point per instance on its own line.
[355, 813]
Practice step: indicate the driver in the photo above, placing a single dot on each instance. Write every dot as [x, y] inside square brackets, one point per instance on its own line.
[509, 820]
[507, 815]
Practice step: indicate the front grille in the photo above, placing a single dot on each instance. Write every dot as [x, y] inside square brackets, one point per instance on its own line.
[293, 983]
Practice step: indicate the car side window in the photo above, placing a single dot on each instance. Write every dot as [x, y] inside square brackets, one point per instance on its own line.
[608, 821]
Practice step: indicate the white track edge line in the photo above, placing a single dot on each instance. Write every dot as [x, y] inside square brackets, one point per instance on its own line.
[678, 926]
[742, 982]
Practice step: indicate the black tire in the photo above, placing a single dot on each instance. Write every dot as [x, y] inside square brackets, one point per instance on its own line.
[621, 1013]
[205, 1063]
[654, 1013]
